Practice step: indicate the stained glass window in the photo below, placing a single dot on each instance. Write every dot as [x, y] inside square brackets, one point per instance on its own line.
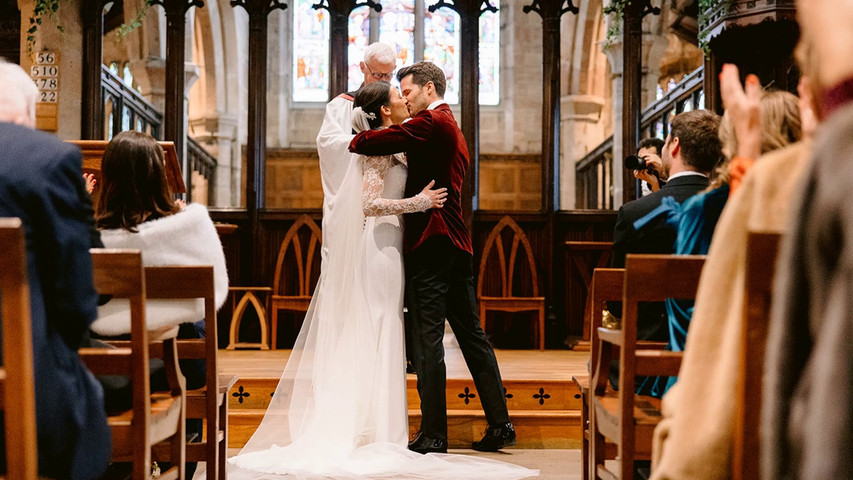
[490, 58]
[438, 35]
[359, 39]
[441, 40]
[310, 52]
[397, 28]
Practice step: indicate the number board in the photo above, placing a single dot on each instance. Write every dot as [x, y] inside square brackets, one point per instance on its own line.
[45, 74]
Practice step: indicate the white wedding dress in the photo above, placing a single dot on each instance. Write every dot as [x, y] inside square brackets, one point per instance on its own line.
[340, 410]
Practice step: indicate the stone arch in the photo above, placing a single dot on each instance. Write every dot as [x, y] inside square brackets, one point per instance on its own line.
[586, 105]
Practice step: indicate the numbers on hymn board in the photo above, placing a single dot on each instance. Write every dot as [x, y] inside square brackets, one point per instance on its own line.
[46, 58]
[46, 83]
[45, 74]
[44, 71]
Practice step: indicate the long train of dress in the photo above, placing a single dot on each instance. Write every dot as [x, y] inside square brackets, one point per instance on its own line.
[340, 408]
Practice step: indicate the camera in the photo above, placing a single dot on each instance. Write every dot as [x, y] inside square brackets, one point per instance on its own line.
[633, 162]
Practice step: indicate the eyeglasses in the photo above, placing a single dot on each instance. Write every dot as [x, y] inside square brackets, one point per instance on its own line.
[379, 76]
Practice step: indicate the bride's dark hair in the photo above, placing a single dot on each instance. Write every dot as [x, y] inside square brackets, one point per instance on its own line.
[371, 98]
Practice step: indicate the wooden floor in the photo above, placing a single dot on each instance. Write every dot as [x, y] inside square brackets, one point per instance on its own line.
[514, 364]
[543, 403]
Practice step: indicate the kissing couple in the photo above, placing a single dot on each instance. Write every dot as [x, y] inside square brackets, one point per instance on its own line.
[340, 408]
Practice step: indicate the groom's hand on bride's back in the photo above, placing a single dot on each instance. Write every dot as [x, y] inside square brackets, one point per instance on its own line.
[437, 196]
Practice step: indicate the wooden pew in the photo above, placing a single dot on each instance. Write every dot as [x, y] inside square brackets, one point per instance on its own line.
[605, 285]
[587, 257]
[761, 252]
[155, 417]
[623, 417]
[209, 402]
[16, 376]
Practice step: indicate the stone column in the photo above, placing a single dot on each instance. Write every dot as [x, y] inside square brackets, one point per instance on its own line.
[219, 136]
[614, 57]
[577, 113]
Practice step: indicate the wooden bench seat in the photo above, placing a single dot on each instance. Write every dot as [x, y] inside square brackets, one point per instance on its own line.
[209, 401]
[154, 418]
[17, 387]
[627, 419]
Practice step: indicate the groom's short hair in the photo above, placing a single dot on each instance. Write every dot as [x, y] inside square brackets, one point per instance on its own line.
[423, 73]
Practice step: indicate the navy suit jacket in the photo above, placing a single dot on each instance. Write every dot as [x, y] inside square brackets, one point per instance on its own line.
[654, 237]
[41, 183]
[436, 150]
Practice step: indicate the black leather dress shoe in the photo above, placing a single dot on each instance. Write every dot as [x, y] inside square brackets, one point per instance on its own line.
[423, 444]
[496, 438]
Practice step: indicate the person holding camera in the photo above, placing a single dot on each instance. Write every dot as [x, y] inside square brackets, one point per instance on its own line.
[646, 165]
[691, 151]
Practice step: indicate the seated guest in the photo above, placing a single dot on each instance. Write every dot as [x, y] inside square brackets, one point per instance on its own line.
[696, 219]
[694, 439]
[40, 183]
[649, 150]
[137, 210]
[690, 152]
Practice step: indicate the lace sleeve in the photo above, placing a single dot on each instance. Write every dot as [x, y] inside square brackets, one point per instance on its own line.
[372, 202]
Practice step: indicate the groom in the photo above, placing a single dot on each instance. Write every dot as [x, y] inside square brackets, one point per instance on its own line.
[439, 271]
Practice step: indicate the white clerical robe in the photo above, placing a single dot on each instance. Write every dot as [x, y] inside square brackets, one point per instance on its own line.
[335, 158]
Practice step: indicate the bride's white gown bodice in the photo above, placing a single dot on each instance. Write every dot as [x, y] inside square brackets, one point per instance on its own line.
[340, 409]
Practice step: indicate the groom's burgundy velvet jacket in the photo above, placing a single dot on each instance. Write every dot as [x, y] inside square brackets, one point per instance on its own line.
[436, 150]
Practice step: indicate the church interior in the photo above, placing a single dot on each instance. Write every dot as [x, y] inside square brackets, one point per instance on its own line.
[553, 97]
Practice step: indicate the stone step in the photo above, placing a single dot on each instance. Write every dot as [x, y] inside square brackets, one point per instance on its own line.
[535, 428]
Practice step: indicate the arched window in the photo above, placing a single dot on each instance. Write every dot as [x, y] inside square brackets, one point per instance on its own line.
[310, 53]
[407, 25]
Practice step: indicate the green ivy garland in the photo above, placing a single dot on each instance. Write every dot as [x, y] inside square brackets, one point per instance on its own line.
[124, 30]
[50, 8]
[616, 9]
[42, 8]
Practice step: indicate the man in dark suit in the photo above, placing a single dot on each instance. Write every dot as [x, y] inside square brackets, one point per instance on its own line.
[689, 154]
[439, 271]
[41, 183]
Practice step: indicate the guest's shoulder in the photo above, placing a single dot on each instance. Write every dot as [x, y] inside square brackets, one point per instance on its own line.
[643, 205]
[42, 151]
[12, 134]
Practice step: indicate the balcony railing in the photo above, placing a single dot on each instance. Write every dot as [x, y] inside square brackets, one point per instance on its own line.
[594, 174]
[202, 182]
[685, 96]
[125, 109]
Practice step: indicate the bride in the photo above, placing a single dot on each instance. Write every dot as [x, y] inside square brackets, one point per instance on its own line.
[340, 408]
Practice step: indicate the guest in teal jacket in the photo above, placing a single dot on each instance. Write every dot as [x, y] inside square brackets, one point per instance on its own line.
[696, 219]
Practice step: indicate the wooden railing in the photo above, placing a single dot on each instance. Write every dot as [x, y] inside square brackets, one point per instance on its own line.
[125, 109]
[594, 172]
[201, 181]
[687, 95]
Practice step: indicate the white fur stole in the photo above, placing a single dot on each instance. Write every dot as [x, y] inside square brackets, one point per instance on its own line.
[185, 238]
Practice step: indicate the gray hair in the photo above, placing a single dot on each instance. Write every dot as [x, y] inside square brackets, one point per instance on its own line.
[380, 52]
[18, 95]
